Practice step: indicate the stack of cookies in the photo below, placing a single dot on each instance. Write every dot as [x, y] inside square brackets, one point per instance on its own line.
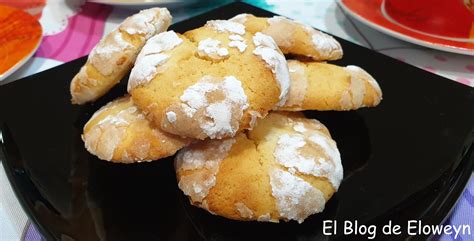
[225, 98]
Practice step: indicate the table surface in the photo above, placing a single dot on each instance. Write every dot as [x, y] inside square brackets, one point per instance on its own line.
[71, 32]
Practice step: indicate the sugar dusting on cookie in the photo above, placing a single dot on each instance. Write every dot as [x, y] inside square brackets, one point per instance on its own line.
[194, 97]
[240, 18]
[152, 56]
[147, 22]
[214, 105]
[266, 218]
[327, 47]
[295, 198]
[299, 127]
[237, 42]
[103, 138]
[226, 26]
[267, 49]
[289, 153]
[353, 97]
[243, 210]
[362, 74]
[108, 53]
[204, 158]
[211, 48]
[171, 116]
[298, 86]
[283, 31]
[331, 168]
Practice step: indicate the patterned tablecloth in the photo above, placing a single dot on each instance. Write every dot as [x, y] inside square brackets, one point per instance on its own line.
[72, 28]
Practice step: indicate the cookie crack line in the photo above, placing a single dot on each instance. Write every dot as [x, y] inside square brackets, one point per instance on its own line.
[224, 83]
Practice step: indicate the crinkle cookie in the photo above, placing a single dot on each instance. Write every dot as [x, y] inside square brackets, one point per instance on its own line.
[286, 168]
[118, 132]
[293, 37]
[210, 82]
[115, 54]
[322, 86]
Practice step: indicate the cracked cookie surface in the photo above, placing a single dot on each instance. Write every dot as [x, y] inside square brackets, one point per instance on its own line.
[112, 58]
[286, 168]
[202, 84]
[119, 132]
[322, 86]
[294, 37]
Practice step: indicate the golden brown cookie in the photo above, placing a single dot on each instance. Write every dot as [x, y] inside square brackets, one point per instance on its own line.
[286, 168]
[115, 54]
[293, 37]
[322, 86]
[211, 82]
[118, 132]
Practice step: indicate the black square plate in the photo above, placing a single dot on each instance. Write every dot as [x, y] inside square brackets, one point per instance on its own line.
[407, 159]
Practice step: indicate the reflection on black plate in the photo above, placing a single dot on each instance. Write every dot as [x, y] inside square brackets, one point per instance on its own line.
[409, 158]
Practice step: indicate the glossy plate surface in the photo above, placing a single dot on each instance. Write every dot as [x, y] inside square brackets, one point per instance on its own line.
[409, 158]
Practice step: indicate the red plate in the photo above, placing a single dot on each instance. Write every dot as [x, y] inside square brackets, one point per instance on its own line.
[20, 36]
[434, 24]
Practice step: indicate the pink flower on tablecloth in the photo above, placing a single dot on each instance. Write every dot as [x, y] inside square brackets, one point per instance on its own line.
[83, 32]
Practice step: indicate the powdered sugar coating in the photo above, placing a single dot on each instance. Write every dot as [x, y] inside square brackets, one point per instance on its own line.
[147, 22]
[354, 96]
[211, 48]
[104, 137]
[240, 18]
[356, 70]
[240, 45]
[221, 121]
[298, 86]
[330, 168]
[111, 50]
[206, 163]
[267, 49]
[221, 117]
[287, 154]
[324, 44]
[171, 116]
[295, 198]
[235, 37]
[194, 97]
[264, 218]
[243, 210]
[237, 42]
[145, 69]
[151, 57]
[276, 20]
[299, 127]
[226, 26]
[108, 52]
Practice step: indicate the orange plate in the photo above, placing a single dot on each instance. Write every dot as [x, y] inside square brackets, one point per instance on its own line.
[371, 13]
[20, 36]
